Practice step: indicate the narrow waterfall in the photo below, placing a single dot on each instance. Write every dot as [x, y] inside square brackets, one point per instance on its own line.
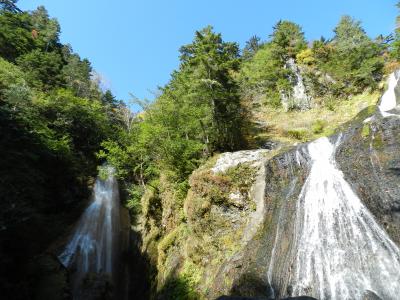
[94, 247]
[298, 97]
[340, 250]
[388, 100]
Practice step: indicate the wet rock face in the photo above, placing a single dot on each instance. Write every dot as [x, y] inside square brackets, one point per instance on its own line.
[250, 270]
[369, 157]
[370, 160]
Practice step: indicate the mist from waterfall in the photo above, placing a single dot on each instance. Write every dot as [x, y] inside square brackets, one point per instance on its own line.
[94, 245]
[340, 250]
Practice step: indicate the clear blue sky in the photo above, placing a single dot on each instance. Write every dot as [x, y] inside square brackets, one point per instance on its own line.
[134, 44]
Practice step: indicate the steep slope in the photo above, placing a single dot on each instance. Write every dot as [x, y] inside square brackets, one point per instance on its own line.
[326, 205]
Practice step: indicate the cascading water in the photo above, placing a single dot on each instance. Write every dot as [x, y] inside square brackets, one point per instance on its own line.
[388, 100]
[298, 97]
[94, 247]
[340, 251]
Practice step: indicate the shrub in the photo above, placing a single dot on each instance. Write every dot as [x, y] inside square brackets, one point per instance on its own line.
[298, 134]
[318, 126]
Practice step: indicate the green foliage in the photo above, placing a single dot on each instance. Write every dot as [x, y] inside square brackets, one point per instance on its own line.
[305, 57]
[366, 130]
[395, 46]
[43, 69]
[9, 5]
[198, 112]
[57, 125]
[84, 120]
[51, 130]
[10, 74]
[209, 63]
[318, 126]
[133, 203]
[288, 40]
[298, 134]
[264, 74]
[349, 34]
[251, 48]
[46, 31]
[352, 59]
[15, 35]
[76, 73]
[180, 288]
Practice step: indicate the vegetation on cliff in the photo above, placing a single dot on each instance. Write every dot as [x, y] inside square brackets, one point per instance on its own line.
[58, 125]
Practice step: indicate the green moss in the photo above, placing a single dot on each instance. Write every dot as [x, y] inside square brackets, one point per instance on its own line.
[365, 132]
[170, 240]
[210, 188]
[253, 206]
[184, 285]
[178, 288]
[377, 142]
[242, 176]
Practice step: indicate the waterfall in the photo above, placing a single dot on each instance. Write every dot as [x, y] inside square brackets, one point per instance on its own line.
[94, 245]
[298, 97]
[340, 250]
[388, 100]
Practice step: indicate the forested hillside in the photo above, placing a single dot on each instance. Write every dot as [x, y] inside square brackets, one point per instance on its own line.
[53, 117]
[58, 126]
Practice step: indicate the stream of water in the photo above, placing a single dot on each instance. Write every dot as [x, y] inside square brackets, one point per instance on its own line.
[95, 244]
[341, 251]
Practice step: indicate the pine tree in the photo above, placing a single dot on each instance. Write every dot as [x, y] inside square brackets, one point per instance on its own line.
[395, 47]
[9, 5]
[288, 40]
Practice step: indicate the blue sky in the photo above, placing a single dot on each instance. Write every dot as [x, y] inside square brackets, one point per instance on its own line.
[134, 44]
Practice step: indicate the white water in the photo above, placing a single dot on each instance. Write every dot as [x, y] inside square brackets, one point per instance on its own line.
[388, 100]
[341, 251]
[93, 245]
[298, 97]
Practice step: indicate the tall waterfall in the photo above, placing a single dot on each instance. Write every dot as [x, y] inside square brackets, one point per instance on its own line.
[340, 250]
[94, 246]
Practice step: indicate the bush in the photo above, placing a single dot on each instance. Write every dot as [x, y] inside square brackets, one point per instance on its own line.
[298, 134]
[318, 126]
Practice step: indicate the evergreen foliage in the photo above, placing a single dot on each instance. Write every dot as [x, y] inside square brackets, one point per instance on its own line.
[53, 119]
[57, 125]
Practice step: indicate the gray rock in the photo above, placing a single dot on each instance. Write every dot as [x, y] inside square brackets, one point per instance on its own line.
[369, 295]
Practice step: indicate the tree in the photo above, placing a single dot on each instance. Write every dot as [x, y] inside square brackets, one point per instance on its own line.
[43, 69]
[349, 35]
[209, 62]
[355, 60]
[47, 30]
[77, 73]
[9, 5]
[251, 48]
[395, 46]
[15, 35]
[264, 75]
[288, 39]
